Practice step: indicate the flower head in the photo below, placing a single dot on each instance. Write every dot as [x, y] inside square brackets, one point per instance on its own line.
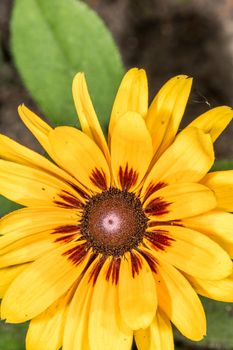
[116, 239]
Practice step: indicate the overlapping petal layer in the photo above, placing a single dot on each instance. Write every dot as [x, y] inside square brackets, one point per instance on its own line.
[131, 153]
[33, 187]
[221, 290]
[40, 285]
[37, 126]
[157, 336]
[70, 147]
[221, 183]
[87, 116]
[217, 224]
[105, 314]
[138, 308]
[188, 159]
[178, 201]
[187, 248]
[14, 152]
[48, 327]
[180, 302]
[132, 96]
[214, 121]
[166, 111]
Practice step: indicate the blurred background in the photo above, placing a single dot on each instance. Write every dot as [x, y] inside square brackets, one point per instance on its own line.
[170, 37]
[193, 37]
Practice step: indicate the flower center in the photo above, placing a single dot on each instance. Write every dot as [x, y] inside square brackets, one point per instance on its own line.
[113, 222]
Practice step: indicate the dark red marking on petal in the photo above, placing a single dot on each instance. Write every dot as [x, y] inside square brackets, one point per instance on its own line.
[91, 259]
[67, 229]
[68, 201]
[152, 188]
[81, 192]
[113, 270]
[98, 178]
[128, 177]
[159, 239]
[66, 238]
[154, 223]
[96, 270]
[157, 206]
[136, 264]
[77, 254]
[152, 262]
[75, 187]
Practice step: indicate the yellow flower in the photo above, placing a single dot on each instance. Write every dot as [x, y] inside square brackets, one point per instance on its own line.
[116, 239]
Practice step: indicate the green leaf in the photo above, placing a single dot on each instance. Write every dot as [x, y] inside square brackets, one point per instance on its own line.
[12, 337]
[223, 165]
[53, 40]
[6, 206]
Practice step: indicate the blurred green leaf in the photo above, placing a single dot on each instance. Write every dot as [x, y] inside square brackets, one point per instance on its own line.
[7, 206]
[219, 327]
[223, 165]
[53, 40]
[12, 337]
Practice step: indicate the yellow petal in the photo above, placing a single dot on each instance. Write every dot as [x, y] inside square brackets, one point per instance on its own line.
[221, 290]
[221, 182]
[179, 201]
[166, 334]
[214, 121]
[46, 330]
[106, 327]
[27, 221]
[7, 276]
[132, 96]
[13, 151]
[37, 126]
[86, 113]
[188, 159]
[217, 224]
[32, 187]
[26, 250]
[180, 302]
[76, 328]
[166, 111]
[137, 292]
[158, 336]
[81, 157]
[20, 237]
[131, 151]
[41, 284]
[193, 253]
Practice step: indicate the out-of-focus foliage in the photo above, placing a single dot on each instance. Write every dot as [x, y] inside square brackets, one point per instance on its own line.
[53, 40]
[12, 337]
[223, 165]
[6, 206]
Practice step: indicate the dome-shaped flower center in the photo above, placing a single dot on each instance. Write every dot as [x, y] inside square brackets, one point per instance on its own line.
[113, 222]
